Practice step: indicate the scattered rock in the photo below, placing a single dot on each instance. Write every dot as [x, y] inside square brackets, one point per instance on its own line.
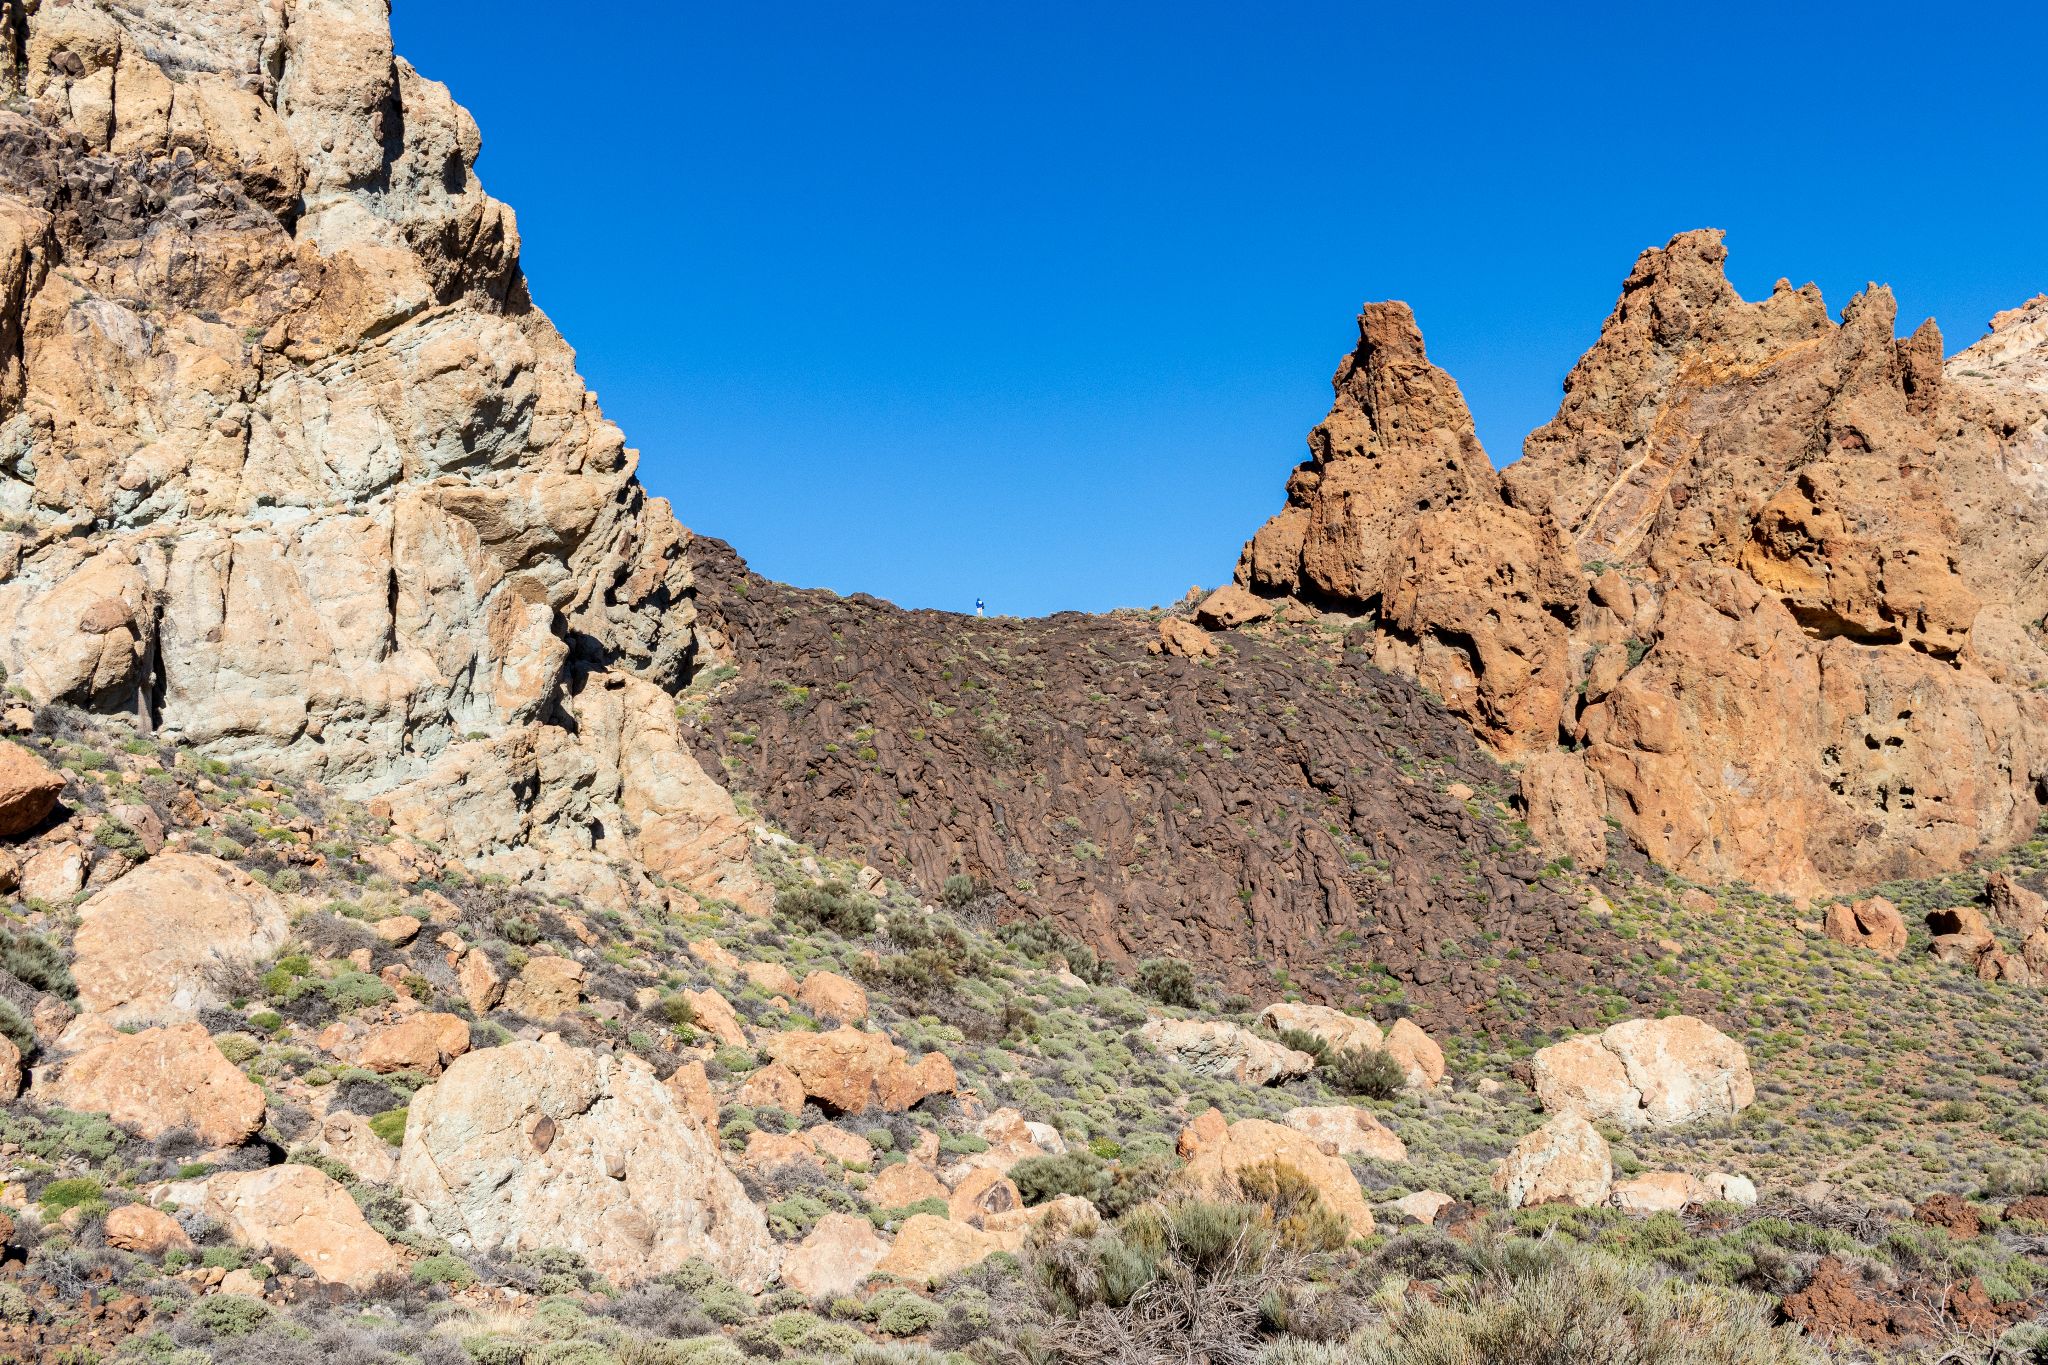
[298, 1210]
[1950, 1212]
[349, 1139]
[1421, 1060]
[773, 1086]
[1217, 1159]
[1216, 1048]
[1646, 1073]
[623, 1178]
[832, 998]
[836, 1259]
[397, 930]
[480, 982]
[1564, 1162]
[1184, 639]
[690, 1084]
[29, 789]
[1342, 1032]
[850, 1071]
[1229, 607]
[1873, 923]
[2013, 906]
[146, 945]
[1348, 1130]
[145, 1231]
[1738, 1190]
[163, 1079]
[715, 1015]
[1658, 1192]
[1424, 1206]
[771, 977]
[904, 1183]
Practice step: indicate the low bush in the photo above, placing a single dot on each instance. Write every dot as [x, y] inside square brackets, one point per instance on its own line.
[834, 905]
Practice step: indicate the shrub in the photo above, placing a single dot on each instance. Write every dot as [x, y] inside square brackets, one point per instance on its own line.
[17, 1029]
[900, 1313]
[35, 961]
[1168, 980]
[390, 1125]
[678, 1010]
[1301, 1040]
[60, 1196]
[452, 1271]
[1042, 1178]
[1367, 1071]
[835, 906]
[228, 1316]
[1547, 1301]
[958, 890]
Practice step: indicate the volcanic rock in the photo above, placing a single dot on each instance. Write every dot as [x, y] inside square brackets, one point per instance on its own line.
[1646, 1073]
[146, 944]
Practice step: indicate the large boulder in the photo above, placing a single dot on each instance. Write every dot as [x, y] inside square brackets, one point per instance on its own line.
[423, 1042]
[1339, 1031]
[1658, 1192]
[1646, 1073]
[540, 1144]
[1417, 1054]
[850, 1070]
[162, 1080]
[1216, 1048]
[29, 789]
[2013, 905]
[835, 1259]
[146, 945]
[929, 1248]
[1219, 1155]
[299, 1210]
[1347, 1130]
[1566, 1161]
[1873, 923]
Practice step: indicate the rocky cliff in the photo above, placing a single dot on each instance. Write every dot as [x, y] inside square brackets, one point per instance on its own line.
[291, 467]
[1767, 590]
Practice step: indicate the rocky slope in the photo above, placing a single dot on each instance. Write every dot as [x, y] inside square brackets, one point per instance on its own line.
[1766, 591]
[1283, 811]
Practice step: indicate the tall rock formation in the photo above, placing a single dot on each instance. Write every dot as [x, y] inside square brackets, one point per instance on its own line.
[291, 466]
[1774, 580]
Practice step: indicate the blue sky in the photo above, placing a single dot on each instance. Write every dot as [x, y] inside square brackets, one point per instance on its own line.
[1037, 302]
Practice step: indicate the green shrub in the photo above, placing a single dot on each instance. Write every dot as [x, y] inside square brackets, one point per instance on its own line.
[899, 1312]
[678, 1010]
[1367, 1071]
[835, 906]
[958, 890]
[390, 1125]
[1168, 980]
[441, 1268]
[61, 1195]
[1042, 1178]
[17, 1029]
[1301, 1040]
[230, 1315]
[353, 990]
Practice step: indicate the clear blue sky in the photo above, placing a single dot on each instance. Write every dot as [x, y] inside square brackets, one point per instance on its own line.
[1036, 302]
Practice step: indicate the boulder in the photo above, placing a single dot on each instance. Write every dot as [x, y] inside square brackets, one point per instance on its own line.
[835, 1260]
[981, 1195]
[1739, 1190]
[479, 980]
[1218, 1155]
[540, 1144]
[773, 1086]
[1646, 1073]
[832, 998]
[1229, 607]
[1873, 923]
[419, 1042]
[765, 1151]
[848, 1149]
[1216, 1048]
[1424, 1206]
[546, 988]
[1421, 1060]
[145, 1231]
[850, 1070]
[54, 873]
[716, 1016]
[349, 1139]
[1340, 1031]
[1184, 640]
[1960, 935]
[2013, 906]
[904, 1183]
[397, 930]
[29, 789]
[299, 1210]
[772, 977]
[12, 1076]
[1658, 1192]
[1348, 1130]
[928, 1249]
[161, 1080]
[1566, 1161]
[146, 944]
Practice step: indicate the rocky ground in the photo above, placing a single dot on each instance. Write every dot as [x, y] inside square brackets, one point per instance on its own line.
[280, 1067]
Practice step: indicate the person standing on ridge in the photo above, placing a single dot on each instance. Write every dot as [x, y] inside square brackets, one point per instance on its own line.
[977, 607]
